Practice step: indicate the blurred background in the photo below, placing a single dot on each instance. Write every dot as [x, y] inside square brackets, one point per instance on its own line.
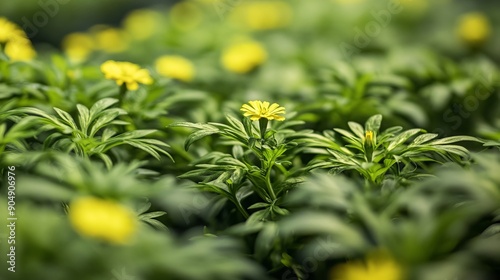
[430, 64]
[66, 16]
[417, 52]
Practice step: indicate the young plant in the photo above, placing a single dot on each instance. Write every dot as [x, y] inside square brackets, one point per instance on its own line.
[13, 135]
[93, 134]
[379, 155]
[260, 162]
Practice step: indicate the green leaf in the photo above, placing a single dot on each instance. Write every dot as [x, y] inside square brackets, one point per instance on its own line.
[235, 123]
[259, 205]
[83, 118]
[195, 136]
[156, 224]
[100, 105]
[191, 125]
[66, 118]
[313, 223]
[258, 217]
[373, 123]
[357, 129]
[152, 215]
[265, 240]
[454, 139]
[103, 120]
[107, 134]
[454, 149]
[106, 159]
[136, 134]
[347, 134]
[423, 138]
[401, 138]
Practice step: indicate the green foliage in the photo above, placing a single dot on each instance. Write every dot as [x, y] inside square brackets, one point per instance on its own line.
[437, 217]
[386, 152]
[261, 199]
[95, 132]
[257, 166]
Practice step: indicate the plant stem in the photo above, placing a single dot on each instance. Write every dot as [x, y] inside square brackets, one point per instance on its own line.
[240, 208]
[121, 94]
[263, 128]
[268, 181]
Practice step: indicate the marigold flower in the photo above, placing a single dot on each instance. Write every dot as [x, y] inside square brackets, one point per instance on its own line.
[109, 39]
[369, 136]
[377, 266]
[141, 24]
[10, 31]
[474, 28]
[243, 57]
[102, 219]
[78, 46]
[17, 45]
[262, 15]
[174, 66]
[20, 50]
[126, 73]
[258, 109]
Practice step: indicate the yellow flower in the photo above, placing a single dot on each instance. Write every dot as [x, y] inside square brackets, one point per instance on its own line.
[10, 31]
[126, 73]
[474, 28]
[378, 266]
[109, 39]
[258, 109]
[369, 137]
[141, 24]
[102, 219]
[262, 15]
[20, 50]
[17, 45]
[78, 46]
[174, 66]
[186, 15]
[242, 57]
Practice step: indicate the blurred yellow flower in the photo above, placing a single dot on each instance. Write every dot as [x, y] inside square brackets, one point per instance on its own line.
[10, 31]
[17, 45]
[174, 66]
[126, 73]
[20, 50]
[262, 15]
[378, 266]
[141, 24]
[258, 109]
[415, 7]
[369, 136]
[349, 1]
[102, 219]
[474, 28]
[186, 15]
[109, 39]
[242, 57]
[78, 46]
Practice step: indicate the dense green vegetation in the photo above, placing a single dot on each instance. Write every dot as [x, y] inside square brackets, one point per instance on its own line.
[255, 140]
